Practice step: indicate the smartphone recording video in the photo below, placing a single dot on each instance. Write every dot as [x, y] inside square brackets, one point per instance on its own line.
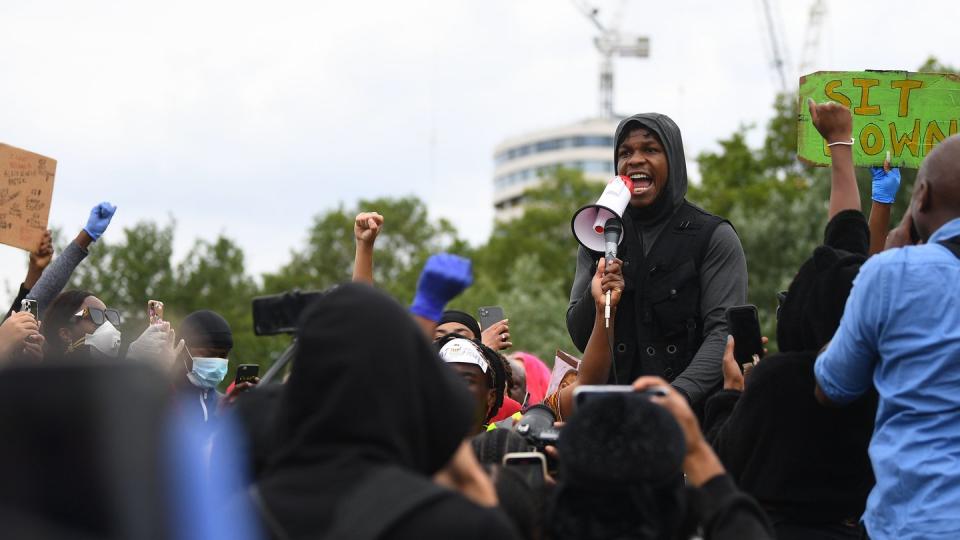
[744, 325]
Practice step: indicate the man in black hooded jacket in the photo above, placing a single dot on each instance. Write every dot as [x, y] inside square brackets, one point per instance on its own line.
[682, 265]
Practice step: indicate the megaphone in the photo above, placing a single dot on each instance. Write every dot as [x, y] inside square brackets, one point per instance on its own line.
[588, 222]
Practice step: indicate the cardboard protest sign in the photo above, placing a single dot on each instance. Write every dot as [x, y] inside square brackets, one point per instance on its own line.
[904, 113]
[565, 369]
[26, 190]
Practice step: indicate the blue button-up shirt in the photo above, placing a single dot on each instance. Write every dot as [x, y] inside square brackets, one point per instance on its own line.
[901, 331]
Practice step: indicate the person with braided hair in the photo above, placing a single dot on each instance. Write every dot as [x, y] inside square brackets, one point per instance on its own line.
[484, 370]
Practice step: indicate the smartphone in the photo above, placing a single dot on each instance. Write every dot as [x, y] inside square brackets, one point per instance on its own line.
[532, 466]
[583, 393]
[155, 311]
[247, 373]
[489, 316]
[744, 326]
[31, 306]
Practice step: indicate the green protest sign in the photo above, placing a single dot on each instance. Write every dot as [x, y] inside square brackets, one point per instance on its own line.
[904, 113]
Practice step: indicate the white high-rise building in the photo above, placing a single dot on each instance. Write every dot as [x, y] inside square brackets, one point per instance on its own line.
[522, 162]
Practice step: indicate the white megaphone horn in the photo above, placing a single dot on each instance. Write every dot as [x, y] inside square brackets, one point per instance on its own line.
[588, 222]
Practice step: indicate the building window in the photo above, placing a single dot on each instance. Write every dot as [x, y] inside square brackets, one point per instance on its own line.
[551, 145]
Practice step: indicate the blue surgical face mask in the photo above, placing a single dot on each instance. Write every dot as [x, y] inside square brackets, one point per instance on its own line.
[208, 372]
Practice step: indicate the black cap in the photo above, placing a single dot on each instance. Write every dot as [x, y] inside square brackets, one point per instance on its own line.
[465, 319]
[206, 328]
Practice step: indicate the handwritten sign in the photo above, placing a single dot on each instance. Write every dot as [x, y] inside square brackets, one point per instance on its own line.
[26, 190]
[565, 369]
[904, 113]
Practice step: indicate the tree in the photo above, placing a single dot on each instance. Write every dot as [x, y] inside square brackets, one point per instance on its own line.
[528, 264]
[407, 239]
[128, 273]
[777, 205]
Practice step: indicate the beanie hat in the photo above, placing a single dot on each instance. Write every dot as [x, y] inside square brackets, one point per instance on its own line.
[206, 328]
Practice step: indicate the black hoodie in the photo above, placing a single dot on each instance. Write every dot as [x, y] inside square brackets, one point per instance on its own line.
[367, 390]
[722, 275]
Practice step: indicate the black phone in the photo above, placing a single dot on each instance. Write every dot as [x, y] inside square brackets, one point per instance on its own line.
[744, 325]
[584, 392]
[247, 373]
[532, 466]
[489, 316]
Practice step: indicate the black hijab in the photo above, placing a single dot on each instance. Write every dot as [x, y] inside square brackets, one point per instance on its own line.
[366, 390]
[675, 190]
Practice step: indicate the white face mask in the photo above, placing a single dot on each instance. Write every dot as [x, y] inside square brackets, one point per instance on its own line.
[105, 339]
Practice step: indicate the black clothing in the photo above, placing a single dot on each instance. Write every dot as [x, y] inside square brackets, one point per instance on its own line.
[806, 463]
[621, 478]
[86, 451]
[676, 189]
[355, 405]
[811, 312]
[664, 330]
[682, 268]
[728, 514]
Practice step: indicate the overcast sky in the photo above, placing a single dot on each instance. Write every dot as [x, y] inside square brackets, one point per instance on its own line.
[249, 118]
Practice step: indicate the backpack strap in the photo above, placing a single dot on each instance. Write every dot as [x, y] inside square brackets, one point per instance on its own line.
[953, 244]
[381, 501]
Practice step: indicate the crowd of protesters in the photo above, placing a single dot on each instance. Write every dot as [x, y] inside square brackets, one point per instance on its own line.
[399, 418]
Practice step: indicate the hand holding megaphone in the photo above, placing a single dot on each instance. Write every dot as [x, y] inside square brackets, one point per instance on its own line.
[599, 227]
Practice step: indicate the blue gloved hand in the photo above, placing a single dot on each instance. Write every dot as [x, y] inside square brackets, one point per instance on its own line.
[885, 184]
[443, 278]
[100, 217]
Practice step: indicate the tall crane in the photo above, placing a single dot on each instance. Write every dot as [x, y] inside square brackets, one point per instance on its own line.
[610, 42]
[780, 56]
[811, 40]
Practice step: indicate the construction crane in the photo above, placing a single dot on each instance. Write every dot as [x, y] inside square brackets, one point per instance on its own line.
[610, 42]
[780, 56]
[811, 40]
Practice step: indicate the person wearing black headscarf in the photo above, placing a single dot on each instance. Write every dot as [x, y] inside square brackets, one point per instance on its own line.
[682, 266]
[805, 463]
[361, 427]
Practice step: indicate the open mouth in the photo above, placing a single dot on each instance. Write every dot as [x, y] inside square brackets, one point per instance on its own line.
[642, 182]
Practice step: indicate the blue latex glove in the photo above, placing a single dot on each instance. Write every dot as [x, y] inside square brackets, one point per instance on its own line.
[885, 184]
[100, 217]
[443, 278]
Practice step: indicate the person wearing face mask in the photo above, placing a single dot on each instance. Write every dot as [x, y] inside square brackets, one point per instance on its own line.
[77, 323]
[208, 339]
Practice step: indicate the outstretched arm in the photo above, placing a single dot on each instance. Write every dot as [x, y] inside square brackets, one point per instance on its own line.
[366, 227]
[595, 366]
[835, 124]
[886, 183]
[55, 278]
[444, 276]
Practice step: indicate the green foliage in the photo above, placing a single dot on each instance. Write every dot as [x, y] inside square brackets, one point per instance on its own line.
[527, 266]
[778, 206]
[407, 239]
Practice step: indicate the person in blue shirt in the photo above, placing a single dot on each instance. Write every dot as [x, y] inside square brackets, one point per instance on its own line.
[900, 332]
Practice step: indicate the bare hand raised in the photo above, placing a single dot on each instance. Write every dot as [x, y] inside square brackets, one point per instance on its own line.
[832, 120]
[497, 336]
[367, 226]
